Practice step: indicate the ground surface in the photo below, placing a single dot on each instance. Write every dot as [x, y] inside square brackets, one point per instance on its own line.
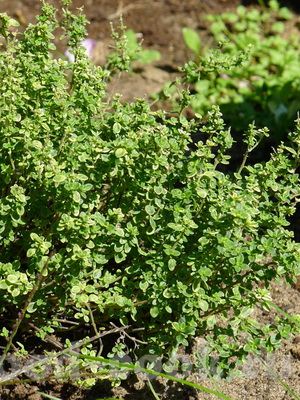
[160, 24]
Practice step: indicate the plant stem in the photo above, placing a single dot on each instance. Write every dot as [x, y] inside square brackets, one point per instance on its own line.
[153, 390]
[243, 162]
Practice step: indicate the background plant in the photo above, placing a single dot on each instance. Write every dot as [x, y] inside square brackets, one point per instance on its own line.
[144, 56]
[110, 216]
[264, 88]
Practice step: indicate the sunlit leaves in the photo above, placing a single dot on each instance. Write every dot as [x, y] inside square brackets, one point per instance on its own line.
[127, 222]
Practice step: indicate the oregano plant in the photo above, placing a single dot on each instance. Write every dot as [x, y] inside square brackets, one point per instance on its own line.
[112, 218]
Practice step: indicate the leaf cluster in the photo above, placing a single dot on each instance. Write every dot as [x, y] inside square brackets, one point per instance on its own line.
[108, 214]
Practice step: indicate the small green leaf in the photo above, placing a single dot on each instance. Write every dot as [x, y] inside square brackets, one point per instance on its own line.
[15, 292]
[148, 56]
[75, 289]
[171, 264]
[158, 190]
[132, 39]
[120, 301]
[90, 289]
[150, 209]
[12, 22]
[119, 231]
[169, 309]
[76, 197]
[143, 286]
[83, 298]
[172, 252]
[176, 227]
[285, 13]
[59, 178]
[152, 224]
[120, 152]
[278, 27]
[34, 237]
[192, 39]
[11, 278]
[119, 257]
[4, 332]
[168, 367]
[20, 210]
[30, 252]
[37, 144]
[32, 307]
[117, 127]
[202, 193]
[211, 321]
[154, 311]
[203, 305]
[93, 298]
[82, 177]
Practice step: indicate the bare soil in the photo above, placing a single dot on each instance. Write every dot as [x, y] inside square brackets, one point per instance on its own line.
[159, 23]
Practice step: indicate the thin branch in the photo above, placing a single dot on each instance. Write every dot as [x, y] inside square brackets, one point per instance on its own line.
[29, 368]
[48, 338]
[130, 337]
[23, 311]
[95, 328]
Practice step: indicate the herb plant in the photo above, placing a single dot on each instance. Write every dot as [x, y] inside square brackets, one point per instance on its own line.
[110, 217]
[264, 88]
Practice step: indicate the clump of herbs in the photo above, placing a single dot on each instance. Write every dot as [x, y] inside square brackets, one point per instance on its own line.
[108, 216]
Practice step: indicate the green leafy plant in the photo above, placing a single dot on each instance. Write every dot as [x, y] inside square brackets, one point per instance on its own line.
[112, 218]
[264, 88]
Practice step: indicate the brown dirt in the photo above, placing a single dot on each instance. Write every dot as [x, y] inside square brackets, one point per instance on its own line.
[160, 22]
